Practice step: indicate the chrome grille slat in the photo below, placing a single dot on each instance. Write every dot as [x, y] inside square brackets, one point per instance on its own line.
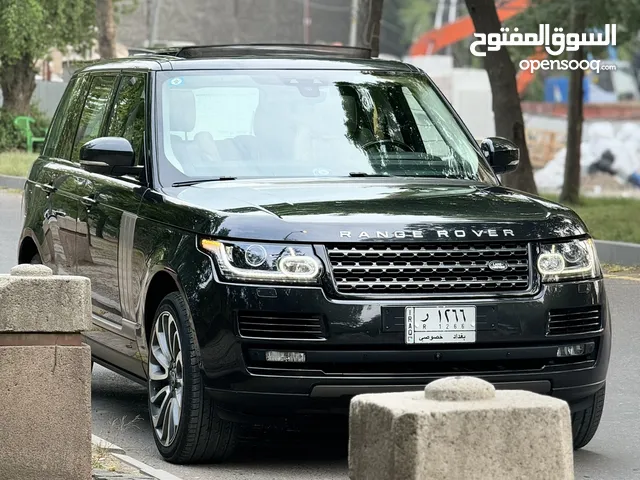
[284, 326]
[384, 269]
[575, 320]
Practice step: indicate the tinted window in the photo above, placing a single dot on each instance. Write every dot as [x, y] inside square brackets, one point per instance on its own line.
[128, 115]
[61, 147]
[58, 121]
[93, 113]
[298, 123]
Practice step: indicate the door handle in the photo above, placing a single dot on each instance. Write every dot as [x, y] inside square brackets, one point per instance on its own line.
[89, 201]
[47, 188]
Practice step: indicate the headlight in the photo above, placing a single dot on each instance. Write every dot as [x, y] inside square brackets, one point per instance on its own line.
[263, 262]
[573, 260]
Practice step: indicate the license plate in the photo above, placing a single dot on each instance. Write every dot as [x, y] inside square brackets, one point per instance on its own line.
[428, 325]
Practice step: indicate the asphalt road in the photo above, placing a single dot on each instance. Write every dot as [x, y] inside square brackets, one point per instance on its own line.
[120, 409]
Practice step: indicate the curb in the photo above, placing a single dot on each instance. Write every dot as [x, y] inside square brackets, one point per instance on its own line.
[618, 253]
[119, 453]
[7, 181]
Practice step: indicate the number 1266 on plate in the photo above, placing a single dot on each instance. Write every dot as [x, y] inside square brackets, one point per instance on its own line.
[428, 325]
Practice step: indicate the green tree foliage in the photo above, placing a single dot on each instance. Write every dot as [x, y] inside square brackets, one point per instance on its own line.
[417, 17]
[29, 28]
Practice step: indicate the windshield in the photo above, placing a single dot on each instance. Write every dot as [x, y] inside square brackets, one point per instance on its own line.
[301, 123]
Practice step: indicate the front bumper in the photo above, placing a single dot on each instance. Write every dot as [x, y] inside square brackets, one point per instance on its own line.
[364, 350]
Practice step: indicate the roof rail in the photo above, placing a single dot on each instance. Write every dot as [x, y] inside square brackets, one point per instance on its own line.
[141, 51]
[234, 50]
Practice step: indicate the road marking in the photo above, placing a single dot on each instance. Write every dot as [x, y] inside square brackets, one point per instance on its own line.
[623, 277]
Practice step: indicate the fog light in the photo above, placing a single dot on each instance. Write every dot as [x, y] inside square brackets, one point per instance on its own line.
[296, 357]
[573, 350]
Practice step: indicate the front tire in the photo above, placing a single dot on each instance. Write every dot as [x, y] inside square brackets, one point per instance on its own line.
[585, 423]
[185, 425]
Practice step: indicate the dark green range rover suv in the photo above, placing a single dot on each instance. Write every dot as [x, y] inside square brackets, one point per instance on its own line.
[271, 230]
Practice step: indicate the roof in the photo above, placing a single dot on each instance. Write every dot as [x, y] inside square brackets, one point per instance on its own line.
[252, 57]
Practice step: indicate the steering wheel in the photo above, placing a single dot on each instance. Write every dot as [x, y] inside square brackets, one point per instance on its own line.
[397, 143]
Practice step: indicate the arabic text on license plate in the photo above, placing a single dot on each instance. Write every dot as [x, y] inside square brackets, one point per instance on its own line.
[454, 324]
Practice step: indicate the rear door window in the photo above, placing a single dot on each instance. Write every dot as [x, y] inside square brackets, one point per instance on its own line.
[128, 115]
[94, 112]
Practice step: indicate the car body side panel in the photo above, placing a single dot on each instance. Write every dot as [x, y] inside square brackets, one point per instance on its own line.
[110, 224]
[51, 215]
[160, 248]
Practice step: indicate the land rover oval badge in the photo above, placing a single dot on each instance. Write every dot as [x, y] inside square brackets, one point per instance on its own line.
[498, 265]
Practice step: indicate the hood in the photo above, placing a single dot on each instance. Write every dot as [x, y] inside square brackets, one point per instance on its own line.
[362, 209]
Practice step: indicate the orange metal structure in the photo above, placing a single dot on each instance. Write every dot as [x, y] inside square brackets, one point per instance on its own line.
[437, 39]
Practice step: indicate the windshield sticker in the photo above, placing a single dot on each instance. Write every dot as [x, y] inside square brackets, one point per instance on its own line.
[176, 81]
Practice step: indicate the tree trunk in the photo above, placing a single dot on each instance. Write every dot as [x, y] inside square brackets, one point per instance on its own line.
[18, 81]
[506, 101]
[571, 187]
[106, 28]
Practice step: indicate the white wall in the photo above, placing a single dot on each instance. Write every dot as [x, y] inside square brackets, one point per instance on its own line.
[46, 96]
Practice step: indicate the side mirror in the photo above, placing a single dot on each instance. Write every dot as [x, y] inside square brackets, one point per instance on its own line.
[109, 156]
[503, 155]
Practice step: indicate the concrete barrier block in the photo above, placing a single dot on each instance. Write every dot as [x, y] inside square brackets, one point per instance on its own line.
[45, 421]
[34, 300]
[460, 428]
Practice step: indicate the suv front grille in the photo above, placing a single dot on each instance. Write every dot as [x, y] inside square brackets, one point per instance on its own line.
[570, 321]
[388, 269]
[281, 326]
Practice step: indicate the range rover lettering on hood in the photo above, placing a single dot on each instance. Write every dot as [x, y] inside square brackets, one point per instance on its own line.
[438, 233]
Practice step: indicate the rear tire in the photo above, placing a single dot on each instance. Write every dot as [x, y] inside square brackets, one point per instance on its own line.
[585, 423]
[175, 384]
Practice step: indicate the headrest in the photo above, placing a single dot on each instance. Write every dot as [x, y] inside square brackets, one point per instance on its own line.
[351, 111]
[182, 108]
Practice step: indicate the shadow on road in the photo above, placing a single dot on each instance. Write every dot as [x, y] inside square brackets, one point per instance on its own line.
[120, 416]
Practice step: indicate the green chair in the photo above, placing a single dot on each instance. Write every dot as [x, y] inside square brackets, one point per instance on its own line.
[24, 125]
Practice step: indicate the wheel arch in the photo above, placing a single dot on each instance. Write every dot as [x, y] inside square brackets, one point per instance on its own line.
[27, 249]
[161, 282]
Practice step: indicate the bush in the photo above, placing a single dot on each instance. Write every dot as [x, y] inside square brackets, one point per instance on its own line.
[11, 138]
[42, 121]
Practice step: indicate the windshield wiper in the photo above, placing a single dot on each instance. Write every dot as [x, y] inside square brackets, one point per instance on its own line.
[363, 174]
[195, 181]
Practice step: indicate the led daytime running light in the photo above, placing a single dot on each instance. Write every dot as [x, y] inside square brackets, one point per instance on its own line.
[284, 273]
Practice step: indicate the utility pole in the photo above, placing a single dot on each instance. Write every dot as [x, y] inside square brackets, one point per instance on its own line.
[453, 13]
[306, 21]
[155, 16]
[353, 31]
[149, 5]
[236, 38]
